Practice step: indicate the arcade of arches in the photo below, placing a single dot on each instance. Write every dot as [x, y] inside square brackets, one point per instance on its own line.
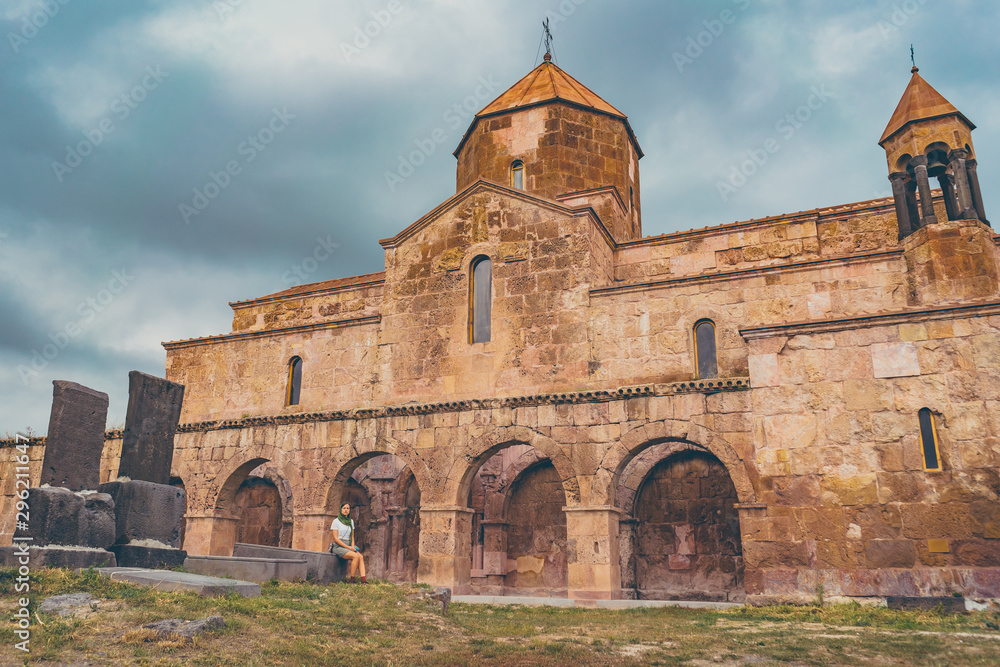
[515, 523]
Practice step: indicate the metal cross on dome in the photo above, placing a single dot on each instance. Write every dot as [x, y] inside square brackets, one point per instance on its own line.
[548, 37]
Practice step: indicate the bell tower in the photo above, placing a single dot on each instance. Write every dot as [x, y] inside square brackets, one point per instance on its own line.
[928, 138]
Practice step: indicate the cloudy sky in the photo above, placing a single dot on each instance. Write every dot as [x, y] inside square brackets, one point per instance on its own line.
[159, 159]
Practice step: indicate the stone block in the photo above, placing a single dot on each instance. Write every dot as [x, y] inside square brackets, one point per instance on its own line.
[248, 569]
[321, 567]
[75, 438]
[60, 516]
[131, 555]
[890, 553]
[71, 557]
[154, 409]
[891, 360]
[146, 511]
[168, 580]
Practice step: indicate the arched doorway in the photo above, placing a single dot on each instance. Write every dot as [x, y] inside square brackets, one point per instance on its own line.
[385, 506]
[684, 537]
[518, 525]
[263, 508]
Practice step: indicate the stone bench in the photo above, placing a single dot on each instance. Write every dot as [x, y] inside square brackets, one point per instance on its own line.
[322, 568]
[248, 569]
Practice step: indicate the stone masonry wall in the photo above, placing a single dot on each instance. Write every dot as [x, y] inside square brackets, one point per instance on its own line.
[564, 149]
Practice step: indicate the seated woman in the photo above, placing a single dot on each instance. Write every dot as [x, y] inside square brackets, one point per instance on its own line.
[343, 543]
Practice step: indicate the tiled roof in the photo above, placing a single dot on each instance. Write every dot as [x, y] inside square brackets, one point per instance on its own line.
[544, 83]
[919, 102]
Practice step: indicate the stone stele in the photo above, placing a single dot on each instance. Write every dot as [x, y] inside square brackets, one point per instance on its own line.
[154, 408]
[76, 437]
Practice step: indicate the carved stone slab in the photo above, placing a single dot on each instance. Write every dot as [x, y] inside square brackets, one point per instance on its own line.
[76, 437]
[154, 408]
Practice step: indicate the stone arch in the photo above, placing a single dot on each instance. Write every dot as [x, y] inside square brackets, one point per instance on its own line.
[464, 468]
[524, 463]
[388, 537]
[285, 495]
[362, 450]
[229, 479]
[637, 469]
[640, 438]
[684, 532]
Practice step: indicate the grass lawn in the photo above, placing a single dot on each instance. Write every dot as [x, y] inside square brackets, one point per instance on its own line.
[384, 624]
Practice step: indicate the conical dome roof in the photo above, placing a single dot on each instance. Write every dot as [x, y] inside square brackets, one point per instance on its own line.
[545, 83]
[920, 102]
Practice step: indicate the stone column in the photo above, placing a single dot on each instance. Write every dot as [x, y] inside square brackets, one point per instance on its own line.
[898, 180]
[494, 548]
[956, 159]
[754, 530]
[911, 204]
[919, 164]
[593, 557]
[312, 531]
[626, 547]
[209, 535]
[446, 547]
[977, 195]
[948, 190]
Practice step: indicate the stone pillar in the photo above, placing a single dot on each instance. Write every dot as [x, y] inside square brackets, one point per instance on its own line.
[919, 164]
[446, 547]
[977, 194]
[208, 535]
[912, 209]
[312, 531]
[626, 548]
[592, 552]
[948, 190]
[154, 408]
[754, 530]
[72, 458]
[898, 180]
[494, 548]
[956, 159]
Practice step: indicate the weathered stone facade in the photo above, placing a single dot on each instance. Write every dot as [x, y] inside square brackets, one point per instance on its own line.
[577, 452]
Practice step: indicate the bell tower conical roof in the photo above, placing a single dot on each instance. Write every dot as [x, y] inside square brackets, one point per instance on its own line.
[920, 102]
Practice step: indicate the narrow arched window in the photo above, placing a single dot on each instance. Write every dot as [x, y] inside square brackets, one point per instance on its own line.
[294, 381]
[480, 297]
[704, 349]
[929, 440]
[517, 175]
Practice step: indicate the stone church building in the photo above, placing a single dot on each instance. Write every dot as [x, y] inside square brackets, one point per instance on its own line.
[533, 398]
